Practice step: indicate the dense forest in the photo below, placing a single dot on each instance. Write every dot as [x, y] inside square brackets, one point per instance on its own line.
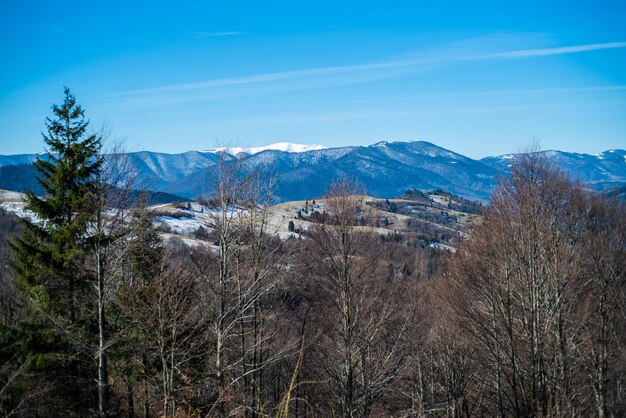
[100, 316]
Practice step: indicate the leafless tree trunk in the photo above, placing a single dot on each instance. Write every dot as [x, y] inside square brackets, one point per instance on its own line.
[604, 313]
[110, 202]
[250, 263]
[519, 289]
[362, 328]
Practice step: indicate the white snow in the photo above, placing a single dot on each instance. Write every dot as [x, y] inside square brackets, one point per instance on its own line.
[17, 208]
[279, 146]
[439, 200]
[182, 226]
[441, 246]
[9, 196]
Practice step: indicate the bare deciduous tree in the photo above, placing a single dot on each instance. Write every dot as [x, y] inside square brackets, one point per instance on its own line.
[242, 272]
[360, 347]
[518, 288]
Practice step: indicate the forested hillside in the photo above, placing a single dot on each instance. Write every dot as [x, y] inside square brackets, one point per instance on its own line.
[338, 306]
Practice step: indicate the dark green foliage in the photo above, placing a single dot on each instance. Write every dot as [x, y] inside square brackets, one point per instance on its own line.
[49, 254]
[11, 345]
[391, 206]
[144, 262]
[49, 262]
[291, 227]
[145, 251]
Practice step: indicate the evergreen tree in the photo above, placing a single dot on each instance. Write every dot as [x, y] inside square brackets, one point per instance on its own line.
[145, 250]
[291, 226]
[135, 352]
[49, 256]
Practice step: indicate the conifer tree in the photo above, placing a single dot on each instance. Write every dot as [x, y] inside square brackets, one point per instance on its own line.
[50, 253]
[146, 251]
[145, 260]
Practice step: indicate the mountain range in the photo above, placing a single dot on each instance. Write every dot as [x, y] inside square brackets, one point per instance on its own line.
[386, 169]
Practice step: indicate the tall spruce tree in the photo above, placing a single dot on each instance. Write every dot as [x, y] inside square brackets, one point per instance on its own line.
[49, 258]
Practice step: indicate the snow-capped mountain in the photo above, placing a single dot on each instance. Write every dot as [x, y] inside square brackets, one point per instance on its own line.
[279, 146]
[386, 169]
[599, 171]
[156, 169]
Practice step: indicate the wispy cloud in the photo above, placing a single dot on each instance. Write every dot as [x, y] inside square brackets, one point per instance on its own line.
[413, 111]
[282, 75]
[561, 50]
[360, 73]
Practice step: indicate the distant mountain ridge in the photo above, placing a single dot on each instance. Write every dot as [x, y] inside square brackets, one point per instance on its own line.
[278, 146]
[17, 159]
[600, 172]
[386, 169]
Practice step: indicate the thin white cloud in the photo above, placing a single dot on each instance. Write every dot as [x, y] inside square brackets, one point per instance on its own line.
[278, 76]
[562, 50]
[420, 110]
[367, 72]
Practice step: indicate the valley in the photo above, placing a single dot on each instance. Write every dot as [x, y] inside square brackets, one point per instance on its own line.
[437, 219]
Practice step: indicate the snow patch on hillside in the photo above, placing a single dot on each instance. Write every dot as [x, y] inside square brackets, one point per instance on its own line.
[19, 210]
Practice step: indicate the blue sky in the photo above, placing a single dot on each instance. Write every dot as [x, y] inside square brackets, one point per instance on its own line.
[479, 78]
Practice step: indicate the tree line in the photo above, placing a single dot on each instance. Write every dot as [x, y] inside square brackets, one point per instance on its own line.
[100, 316]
